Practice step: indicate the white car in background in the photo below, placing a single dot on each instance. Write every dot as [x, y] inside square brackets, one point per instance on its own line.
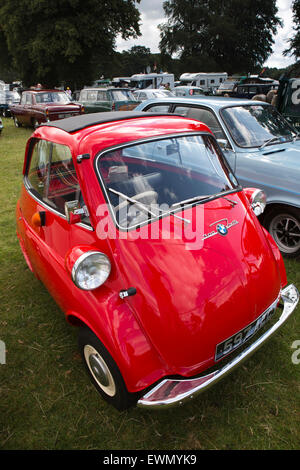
[152, 93]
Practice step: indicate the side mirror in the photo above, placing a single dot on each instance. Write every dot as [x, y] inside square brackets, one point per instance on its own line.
[224, 144]
[73, 212]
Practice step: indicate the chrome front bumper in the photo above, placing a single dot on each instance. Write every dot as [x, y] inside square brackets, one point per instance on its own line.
[175, 392]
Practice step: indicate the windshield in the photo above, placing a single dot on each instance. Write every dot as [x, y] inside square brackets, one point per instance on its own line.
[161, 174]
[52, 97]
[255, 125]
[122, 95]
[227, 85]
[162, 94]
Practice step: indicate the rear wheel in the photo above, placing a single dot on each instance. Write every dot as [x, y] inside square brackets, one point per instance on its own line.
[283, 223]
[16, 122]
[103, 371]
[34, 123]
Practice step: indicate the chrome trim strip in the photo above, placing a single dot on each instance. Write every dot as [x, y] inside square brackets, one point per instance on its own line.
[172, 392]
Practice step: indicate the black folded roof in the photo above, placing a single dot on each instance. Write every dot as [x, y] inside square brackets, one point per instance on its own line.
[76, 123]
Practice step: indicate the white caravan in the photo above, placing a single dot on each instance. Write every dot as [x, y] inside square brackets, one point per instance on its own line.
[151, 80]
[210, 82]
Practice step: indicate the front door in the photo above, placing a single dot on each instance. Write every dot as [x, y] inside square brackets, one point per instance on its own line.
[50, 181]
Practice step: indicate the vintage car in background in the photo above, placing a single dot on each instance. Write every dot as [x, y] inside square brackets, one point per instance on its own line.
[138, 228]
[150, 93]
[263, 150]
[7, 99]
[227, 87]
[107, 99]
[188, 91]
[41, 105]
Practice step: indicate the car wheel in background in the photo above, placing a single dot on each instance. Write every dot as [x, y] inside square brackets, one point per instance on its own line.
[34, 123]
[17, 124]
[283, 223]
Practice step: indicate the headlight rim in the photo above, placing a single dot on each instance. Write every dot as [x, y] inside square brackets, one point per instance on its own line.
[79, 260]
[256, 204]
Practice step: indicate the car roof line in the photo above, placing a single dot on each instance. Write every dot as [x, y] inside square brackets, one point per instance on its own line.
[77, 123]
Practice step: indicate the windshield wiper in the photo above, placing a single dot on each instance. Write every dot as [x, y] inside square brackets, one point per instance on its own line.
[269, 141]
[144, 207]
[207, 197]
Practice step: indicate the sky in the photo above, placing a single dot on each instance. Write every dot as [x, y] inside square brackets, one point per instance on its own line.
[152, 14]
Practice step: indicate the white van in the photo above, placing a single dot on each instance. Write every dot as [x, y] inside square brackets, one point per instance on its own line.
[210, 82]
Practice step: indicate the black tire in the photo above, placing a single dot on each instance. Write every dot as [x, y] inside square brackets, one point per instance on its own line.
[17, 124]
[283, 223]
[34, 123]
[103, 371]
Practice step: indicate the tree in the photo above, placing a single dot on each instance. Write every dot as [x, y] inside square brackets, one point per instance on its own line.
[136, 60]
[294, 42]
[54, 41]
[219, 35]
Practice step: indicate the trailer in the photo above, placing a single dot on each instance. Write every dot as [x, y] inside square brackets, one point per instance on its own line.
[210, 82]
[152, 80]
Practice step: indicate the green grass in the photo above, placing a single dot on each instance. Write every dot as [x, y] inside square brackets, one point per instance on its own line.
[48, 402]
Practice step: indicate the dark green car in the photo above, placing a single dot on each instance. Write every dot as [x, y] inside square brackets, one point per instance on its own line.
[288, 100]
[97, 100]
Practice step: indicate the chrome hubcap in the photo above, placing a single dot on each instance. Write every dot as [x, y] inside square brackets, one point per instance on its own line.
[285, 230]
[99, 370]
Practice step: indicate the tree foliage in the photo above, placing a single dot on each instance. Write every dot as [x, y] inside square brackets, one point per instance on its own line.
[219, 35]
[51, 41]
[294, 42]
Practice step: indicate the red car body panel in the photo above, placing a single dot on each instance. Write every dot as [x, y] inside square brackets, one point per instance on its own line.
[187, 301]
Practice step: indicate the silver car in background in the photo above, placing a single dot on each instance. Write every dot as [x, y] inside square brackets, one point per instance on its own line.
[263, 150]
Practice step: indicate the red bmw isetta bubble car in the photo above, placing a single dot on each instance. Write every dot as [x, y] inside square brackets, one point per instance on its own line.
[140, 231]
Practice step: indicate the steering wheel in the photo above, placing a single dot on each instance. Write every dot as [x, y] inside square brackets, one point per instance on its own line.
[151, 198]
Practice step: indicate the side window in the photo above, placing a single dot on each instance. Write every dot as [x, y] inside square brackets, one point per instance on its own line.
[207, 117]
[39, 167]
[158, 109]
[179, 93]
[182, 110]
[83, 95]
[23, 99]
[52, 175]
[28, 98]
[92, 95]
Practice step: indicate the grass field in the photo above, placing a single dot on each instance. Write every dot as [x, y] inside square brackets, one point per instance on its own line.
[48, 402]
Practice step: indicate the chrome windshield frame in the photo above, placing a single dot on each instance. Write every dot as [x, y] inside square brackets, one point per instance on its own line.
[173, 210]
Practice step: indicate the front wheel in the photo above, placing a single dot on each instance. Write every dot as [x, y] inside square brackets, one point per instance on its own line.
[103, 371]
[283, 223]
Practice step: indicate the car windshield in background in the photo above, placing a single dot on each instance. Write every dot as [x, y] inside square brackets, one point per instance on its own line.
[227, 86]
[257, 125]
[52, 97]
[122, 95]
[161, 174]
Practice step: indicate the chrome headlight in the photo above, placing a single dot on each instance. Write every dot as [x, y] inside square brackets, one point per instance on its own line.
[258, 201]
[91, 270]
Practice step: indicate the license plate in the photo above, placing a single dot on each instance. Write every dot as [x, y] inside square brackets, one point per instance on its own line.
[62, 116]
[235, 341]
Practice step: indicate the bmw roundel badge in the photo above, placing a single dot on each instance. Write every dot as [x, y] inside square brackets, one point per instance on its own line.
[222, 229]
